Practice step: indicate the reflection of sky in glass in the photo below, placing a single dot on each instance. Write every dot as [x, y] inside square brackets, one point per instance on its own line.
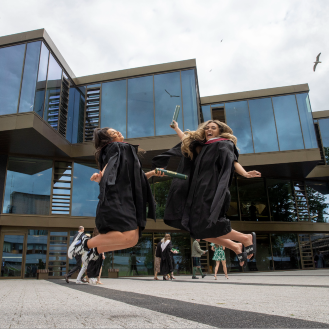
[113, 110]
[11, 65]
[54, 70]
[85, 192]
[287, 123]
[37, 184]
[263, 126]
[42, 77]
[189, 100]
[324, 129]
[30, 76]
[164, 104]
[237, 117]
[306, 118]
[206, 113]
[140, 107]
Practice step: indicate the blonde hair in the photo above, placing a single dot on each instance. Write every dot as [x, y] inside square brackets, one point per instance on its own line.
[199, 135]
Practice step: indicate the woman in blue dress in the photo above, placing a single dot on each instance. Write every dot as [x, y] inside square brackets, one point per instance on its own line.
[219, 256]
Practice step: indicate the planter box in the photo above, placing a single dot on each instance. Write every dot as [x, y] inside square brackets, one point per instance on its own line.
[42, 276]
[113, 273]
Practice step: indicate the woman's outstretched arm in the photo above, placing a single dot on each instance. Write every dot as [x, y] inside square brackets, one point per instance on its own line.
[248, 174]
[178, 131]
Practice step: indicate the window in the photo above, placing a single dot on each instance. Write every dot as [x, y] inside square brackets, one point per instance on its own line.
[140, 107]
[167, 94]
[11, 65]
[206, 113]
[28, 185]
[263, 126]
[324, 130]
[11, 264]
[85, 192]
[237, 117]
[287, 122]
[114, 105]
[30, 76]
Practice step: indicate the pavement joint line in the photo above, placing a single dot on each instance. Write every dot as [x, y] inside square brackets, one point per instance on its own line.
[216, 316]
[239, 283]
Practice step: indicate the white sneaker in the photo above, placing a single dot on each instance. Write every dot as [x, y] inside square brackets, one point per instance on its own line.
[80, 282]
[76, 247]
[92, 280]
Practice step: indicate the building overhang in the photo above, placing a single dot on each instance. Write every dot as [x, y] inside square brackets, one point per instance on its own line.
[255, 94]
[320, 114]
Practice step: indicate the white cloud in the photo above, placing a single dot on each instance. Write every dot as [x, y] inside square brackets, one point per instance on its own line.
[265, 43]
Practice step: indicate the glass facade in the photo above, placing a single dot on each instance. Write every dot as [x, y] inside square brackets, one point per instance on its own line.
[29, 76]
[36, 252]
[324, 130]
[11, 66]
[320, 246]
[28, 186]
[318, 201]
[85, 192]
[57, 254]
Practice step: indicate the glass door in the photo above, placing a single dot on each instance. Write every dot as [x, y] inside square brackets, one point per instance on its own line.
[57, 262]
[12, 255]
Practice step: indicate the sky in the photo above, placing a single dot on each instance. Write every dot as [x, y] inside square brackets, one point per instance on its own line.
[239, 45]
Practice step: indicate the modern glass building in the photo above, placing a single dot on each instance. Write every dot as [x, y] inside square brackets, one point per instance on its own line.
[47, 116]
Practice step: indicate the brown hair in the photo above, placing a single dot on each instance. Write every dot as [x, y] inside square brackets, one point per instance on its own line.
[199, 135]
[95, 232]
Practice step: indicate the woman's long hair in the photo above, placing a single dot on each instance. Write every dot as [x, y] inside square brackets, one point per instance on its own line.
[95, 232]
[101, 138]
[200, 135]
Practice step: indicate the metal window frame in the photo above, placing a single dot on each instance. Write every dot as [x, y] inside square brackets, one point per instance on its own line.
[300, 121]
[252, 135]
[20, 87]
[4, 185]
[276, 128]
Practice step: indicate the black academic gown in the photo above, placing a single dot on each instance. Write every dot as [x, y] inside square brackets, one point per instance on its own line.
[199, 204]
[166, 265]
[94, 267]
[124, 191]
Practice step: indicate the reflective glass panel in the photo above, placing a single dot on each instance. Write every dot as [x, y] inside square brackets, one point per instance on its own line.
[285, 249]
[30, 76]
[324, 130]
[189, 100]
[57, 254]
[85, 192]
[253, 201]
[75, 120]
[114, 101]
[160, 190]
[320, 246]
[237, 117]
[36, 252]
[28, 185]
[167, 94]
[263, 126]
[206, 112]
[140, 107]
[287, 123]
[318, 201]
[53, 93]
[11, 264]
[11, 66]
[282, 200]
[306, 118]
[137, 260]
[233, 210]
[41, 83]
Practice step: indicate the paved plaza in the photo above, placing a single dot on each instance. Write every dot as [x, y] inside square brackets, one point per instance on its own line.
[291, 299]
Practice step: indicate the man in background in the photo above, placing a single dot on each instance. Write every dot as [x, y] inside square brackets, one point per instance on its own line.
[77, 266]
[197, 252]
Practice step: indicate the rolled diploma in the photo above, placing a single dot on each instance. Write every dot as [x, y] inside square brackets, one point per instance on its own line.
[177, 108]
[171, 173]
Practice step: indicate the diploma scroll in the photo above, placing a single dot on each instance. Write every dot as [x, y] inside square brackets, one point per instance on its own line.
[171, 173]
[175, 116]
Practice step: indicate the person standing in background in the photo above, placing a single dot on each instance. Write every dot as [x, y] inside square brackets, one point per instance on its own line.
[197, 252]
[219, 256]
[77, 266]
[157, 260]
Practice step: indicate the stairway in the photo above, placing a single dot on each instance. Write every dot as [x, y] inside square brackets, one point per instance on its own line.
[302, 209]
[306, 251]
[204, 258]
[92, 111]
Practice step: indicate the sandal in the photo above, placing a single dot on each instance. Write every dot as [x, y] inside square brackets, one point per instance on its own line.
[243, 258]
[252, 248]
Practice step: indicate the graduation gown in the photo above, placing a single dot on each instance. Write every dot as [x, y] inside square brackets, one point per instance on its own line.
[124, 190]
[199, 204]
[94, 267]
[166, 265]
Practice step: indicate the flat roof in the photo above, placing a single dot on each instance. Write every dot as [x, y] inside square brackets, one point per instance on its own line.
[138, 71]
[255, 94]
[40, 34]
[320, 114]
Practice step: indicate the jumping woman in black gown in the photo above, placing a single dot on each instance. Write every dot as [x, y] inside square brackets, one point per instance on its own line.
[124, 195]
[199, 204]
